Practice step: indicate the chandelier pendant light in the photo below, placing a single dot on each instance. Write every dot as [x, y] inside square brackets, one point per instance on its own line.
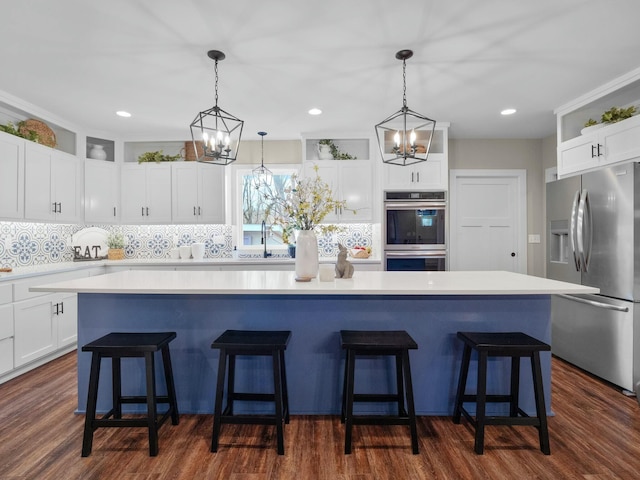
[262, 175]
[216, 133]
[405, 137]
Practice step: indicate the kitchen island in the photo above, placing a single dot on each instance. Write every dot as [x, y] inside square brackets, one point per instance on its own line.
[200, 305]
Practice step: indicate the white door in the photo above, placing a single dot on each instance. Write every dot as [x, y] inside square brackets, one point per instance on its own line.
[184, 191]
[36, 329]
[38, 192]
[100, 191]
[356, 181]
[211, 193]
[134, 193]
[488, 220]
[64, 174]
[158, 194]
[12, 178]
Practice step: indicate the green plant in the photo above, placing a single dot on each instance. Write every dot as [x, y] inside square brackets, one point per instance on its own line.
[615, 114]
[157, 157]
[11, 129]
[115, 240]
[590, 123]
[335, 151]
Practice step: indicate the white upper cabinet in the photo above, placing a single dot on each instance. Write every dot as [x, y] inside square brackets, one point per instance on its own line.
[51, 184]
[583, 149]
[12, 176]
[351, 179]
[430, 175]
[146, 193]
[197, 193]
[101, 192]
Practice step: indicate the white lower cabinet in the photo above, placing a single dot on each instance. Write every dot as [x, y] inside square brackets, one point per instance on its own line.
[43, 325]
[6, 338]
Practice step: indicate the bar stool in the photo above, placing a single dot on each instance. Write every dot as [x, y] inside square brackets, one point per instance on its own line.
[124, 345]
[514, 345]
[247, 342]
[374, 343]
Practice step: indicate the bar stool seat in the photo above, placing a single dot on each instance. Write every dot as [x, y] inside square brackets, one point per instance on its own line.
[251, 342]
[501, 344]
[372, 343]
[124, 345]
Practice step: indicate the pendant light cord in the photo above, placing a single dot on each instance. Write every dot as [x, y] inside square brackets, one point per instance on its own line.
[404, 83]
[216, 88]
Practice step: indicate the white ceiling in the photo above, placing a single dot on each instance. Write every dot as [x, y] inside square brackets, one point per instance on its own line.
[84, 60]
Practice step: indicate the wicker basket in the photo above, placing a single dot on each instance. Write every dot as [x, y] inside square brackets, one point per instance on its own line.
[115, 254]
[190, 153]
[46, 136]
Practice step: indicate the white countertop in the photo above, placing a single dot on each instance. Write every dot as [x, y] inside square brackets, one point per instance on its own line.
[59, 267]
[283, 282]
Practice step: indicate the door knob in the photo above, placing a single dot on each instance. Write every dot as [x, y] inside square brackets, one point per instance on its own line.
[513, 254]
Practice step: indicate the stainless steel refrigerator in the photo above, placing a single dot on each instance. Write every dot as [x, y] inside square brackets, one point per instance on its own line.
[593, 228]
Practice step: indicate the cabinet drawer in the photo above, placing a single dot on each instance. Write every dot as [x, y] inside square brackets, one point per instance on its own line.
[6, 293]
[6, 321]
[6, 355]
[21, 288]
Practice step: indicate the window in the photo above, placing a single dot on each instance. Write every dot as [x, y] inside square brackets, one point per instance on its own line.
[253, 206]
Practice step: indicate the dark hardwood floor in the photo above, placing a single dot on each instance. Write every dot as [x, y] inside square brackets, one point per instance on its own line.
[595, 435]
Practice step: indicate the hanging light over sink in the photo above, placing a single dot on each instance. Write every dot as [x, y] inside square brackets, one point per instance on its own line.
[262, 175]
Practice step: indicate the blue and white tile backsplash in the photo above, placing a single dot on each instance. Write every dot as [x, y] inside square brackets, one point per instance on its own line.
[26, 244]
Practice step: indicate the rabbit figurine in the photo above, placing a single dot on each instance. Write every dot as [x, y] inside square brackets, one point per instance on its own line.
[344, 269]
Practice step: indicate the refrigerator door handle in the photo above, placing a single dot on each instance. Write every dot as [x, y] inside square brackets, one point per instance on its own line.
[593, 303]
[583, 225]
[573, 231]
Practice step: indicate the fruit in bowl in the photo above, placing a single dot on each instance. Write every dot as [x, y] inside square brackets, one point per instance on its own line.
[360, 252]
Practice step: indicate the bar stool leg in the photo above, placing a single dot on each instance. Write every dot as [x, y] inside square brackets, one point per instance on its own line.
[217, 411]
[481, 402]
[343, 415]
[231, 385]
[400, 385]
[543, 433]
[152, 412]
[171, 388]
[116, 387]
[277, 389]
[351, 360]
[92, 400]
[515, 387]
[285, 395]
[462, 383]
[410, 403]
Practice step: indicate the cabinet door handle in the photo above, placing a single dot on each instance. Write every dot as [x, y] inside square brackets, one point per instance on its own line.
[61, 307]
[142, 211]
[418, 177]
[199, 212]
[55, 207]
[194, 211]
[147, 211]
[60, 207]
[55, 309]
[411, 177]
[599, 152]
[114, 211]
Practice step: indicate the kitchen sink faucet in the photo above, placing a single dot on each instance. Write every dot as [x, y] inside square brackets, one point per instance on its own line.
[263, 231]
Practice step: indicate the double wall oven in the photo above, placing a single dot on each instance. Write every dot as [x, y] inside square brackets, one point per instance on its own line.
[415, 230]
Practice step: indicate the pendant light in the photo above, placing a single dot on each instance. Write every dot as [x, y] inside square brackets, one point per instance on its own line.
[262, 175]
[216, 133]
[405, 137]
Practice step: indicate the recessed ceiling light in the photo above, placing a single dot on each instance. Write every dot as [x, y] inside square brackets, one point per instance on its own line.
[315, 111]
[122, 113]
[508, 111]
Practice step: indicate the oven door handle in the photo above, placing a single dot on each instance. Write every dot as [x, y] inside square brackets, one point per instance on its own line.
[427, 253]
[415, 205]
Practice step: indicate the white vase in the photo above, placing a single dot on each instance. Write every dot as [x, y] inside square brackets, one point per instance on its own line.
[324, 152]
[306, 255]
[97, 152]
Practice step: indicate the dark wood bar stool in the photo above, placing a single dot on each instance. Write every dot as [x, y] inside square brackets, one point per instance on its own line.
[374, 343]
[514, 345]
[124, 345]
[247, 342]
